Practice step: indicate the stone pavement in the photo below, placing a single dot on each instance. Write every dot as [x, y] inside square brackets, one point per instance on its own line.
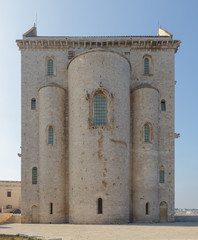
[159, 231]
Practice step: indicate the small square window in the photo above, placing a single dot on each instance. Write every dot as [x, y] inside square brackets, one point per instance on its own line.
[8, 194]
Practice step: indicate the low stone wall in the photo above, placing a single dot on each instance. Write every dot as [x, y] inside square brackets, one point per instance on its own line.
[4, 217]
[10, 218]
[186, 218]
[15, 218]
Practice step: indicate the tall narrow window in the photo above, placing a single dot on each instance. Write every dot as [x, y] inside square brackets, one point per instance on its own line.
[51, 135]
[146, 66]
[163, 105]
[161, 175]
[34, 175]
[33, 104]
[147, 133]
[99, 205]
[50, 67]
[100, 110]
[51, 208]
[147, 208]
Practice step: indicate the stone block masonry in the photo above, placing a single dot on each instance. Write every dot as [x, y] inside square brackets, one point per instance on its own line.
[97, 128]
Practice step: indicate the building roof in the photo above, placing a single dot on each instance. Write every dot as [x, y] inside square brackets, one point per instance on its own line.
[163, 40]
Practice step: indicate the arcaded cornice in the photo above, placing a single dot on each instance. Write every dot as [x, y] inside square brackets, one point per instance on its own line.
[98, 42]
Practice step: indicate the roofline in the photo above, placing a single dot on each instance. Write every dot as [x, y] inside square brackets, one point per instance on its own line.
[98, 42]
[91, 37]
[8, 181]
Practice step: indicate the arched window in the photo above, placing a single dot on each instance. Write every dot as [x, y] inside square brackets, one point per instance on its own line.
[146, 66]
[34, 175]
[50, 67]
[33, 104]
[100, 110]
[163, 105]
[99, 205]
[50, 135]
[147, 208]
[161, 175]
[147, 133]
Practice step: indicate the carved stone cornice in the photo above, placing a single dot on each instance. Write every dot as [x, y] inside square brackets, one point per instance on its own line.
[125, 42]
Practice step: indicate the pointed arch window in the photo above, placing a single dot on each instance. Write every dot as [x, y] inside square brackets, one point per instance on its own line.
[100, 110]
[51, 135]
[146, 66]
[33, 104]
[163, 105]
[50, 67]
[34, 175]
[147, 133]
[99, 205]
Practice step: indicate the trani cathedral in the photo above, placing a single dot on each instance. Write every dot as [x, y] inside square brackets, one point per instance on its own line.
[98, 128]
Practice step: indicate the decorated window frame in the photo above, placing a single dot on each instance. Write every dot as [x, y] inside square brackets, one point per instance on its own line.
[109, 100]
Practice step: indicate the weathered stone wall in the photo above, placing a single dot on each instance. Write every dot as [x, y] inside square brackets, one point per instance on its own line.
[99, 156]
[33, 77]
[145, 102]
[52, 173]
[86, 72]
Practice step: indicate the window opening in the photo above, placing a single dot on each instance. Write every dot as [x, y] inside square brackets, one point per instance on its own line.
[33, 104]
[51, 208]
[9, 207]
[8, 194]
[34, 175]
[51, 135]
[146, 66]
[50, 67]
[147, 208]
[146, 133]
[100, 110]
[99, 205]
[163, 105]
[161, 176]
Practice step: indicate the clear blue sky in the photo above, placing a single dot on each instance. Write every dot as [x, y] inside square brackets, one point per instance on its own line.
[104, 17]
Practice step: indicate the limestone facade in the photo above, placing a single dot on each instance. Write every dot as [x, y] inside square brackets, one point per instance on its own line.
[76, 170]
[10, 192]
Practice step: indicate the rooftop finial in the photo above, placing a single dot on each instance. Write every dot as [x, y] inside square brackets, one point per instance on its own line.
[36, 20]
[163, 33]
[31, 33]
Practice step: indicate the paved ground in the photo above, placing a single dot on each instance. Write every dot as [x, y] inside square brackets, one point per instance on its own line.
[172, 231]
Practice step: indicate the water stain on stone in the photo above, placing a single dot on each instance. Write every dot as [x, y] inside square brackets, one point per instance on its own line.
[104, 183]
[100, 145]
[118, 141]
